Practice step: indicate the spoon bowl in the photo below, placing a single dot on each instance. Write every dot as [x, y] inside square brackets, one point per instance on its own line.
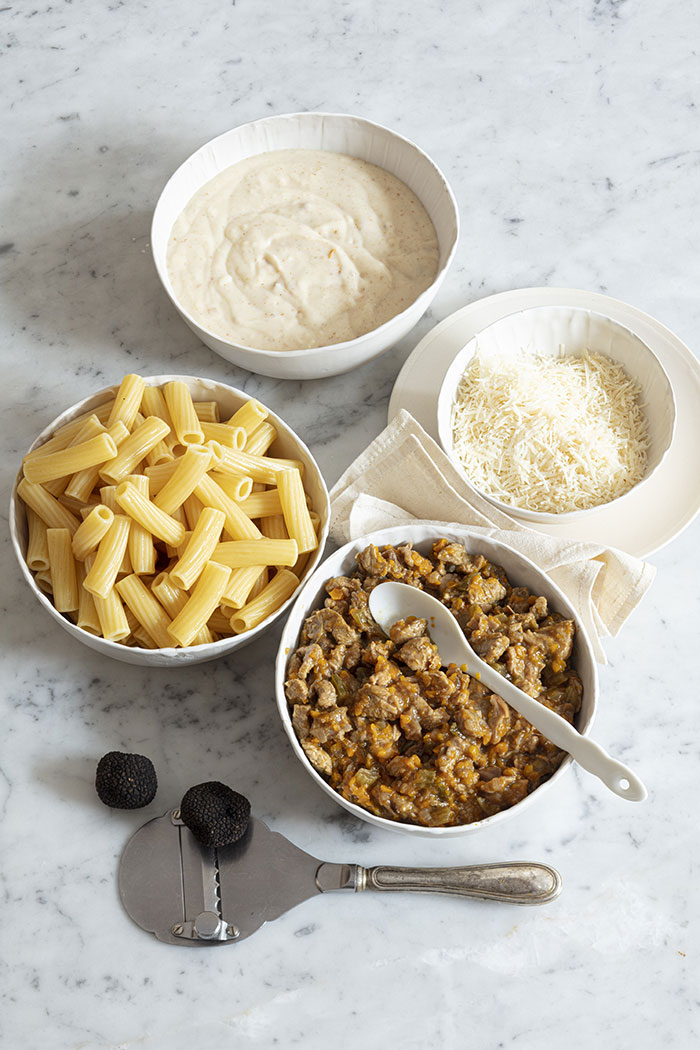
[389, 602]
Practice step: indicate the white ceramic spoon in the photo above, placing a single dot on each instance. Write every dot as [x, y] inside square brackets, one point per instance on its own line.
[389, 602]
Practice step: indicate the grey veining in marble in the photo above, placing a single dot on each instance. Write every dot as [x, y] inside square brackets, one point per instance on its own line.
[570, 135]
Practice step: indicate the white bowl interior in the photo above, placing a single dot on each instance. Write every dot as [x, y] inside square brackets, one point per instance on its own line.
[558, 331]
[287, 445]
[327, 131]
[520, 570]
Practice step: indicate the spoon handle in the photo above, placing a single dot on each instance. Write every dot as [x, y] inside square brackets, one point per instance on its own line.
[616, 776]
[512, 883]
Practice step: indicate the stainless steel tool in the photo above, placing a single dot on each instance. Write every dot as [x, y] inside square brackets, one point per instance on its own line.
[186, 893]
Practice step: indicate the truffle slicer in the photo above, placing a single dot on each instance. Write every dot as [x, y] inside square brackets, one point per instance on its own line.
[186, 893]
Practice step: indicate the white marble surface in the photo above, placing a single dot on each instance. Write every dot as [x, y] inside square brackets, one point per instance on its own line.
[570, 135]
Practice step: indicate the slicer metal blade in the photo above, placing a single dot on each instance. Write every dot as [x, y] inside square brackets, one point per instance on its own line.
[186, 893]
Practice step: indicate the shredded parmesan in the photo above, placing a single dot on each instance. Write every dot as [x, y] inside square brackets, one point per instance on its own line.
[550, 434]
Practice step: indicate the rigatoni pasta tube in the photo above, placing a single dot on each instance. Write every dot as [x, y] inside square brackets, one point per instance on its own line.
[62, 567]
[262, 504]
[142, 553]
[100, 579]
[153, 404]
[110, 612]
[134, 449]
[185, 421]
[192, 508]
[258, 468]
[65, 434]
[207, 411]
[88, 619]
[274, 527]
[70, 460]
[281, 587]
[127, 401]
[81, 484]
[174, 599]
[159, 475]
[296, 513]
[139, 635]
[249, 416]
[260, 440]
[190, 469]
[93, 528]
[237, 488]
[237, 524]
[47, 507]
[198, 551]
[147, 610]
[37, 547]
[241, 553]
[231, 437]
[145, 512]
[205, 598]
[240, 586]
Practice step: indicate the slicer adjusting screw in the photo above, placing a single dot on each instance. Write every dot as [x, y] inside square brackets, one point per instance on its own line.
[177, 929]
[232, 931]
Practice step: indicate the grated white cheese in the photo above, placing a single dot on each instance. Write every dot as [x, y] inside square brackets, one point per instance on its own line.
[550, 434]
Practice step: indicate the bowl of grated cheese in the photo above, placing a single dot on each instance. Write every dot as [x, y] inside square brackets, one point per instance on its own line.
[553, 412]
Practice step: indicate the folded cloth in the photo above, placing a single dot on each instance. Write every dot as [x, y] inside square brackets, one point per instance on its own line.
[405, 476]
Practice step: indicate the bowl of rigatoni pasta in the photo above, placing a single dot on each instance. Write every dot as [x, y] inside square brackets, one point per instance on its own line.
[168, 519]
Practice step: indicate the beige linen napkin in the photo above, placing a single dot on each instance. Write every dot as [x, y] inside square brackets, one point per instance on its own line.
[404, 475]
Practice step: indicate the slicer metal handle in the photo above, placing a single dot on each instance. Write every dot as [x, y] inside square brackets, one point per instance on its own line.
[511, 882]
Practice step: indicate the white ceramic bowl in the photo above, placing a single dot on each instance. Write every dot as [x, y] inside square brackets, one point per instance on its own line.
[520, 570]
[287, 445]
[340, 134]
[566, 330]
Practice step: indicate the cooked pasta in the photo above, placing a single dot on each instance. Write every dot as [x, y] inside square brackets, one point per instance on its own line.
[185, 421]
[205, 598]
[296, 513]
[281, 587]
[37, 547]
[62, 568]
[110, 553]
[90, 532]
[146, 608]
[152, 523]
[145, 512]
[200, 547]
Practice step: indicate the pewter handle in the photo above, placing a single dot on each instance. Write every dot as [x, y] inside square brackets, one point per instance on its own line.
[511, 882]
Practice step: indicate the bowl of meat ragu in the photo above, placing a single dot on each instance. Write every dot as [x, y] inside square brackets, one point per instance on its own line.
[391, 734]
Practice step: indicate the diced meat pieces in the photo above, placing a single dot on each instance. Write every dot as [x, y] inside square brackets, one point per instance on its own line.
[403, 630]
[419, 654]
[296, 690]
[395, 732]
[324, 693]
[498, 719]
[371, 562]
[301, 720]
[378, 703]
[485, 592]
[328, 621]
[312, 659]
[455, 554]
[318, 758]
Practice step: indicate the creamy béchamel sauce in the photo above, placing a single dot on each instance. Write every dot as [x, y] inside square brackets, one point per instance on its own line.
[300, 248]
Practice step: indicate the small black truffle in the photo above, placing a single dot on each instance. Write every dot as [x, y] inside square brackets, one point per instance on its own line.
[215, 813]
[125, 781]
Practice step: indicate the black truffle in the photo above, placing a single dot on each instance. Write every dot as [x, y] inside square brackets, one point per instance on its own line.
[215, 813]
[125, 781]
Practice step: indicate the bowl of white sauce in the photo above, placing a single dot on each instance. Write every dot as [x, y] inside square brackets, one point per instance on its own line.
[304, 245]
